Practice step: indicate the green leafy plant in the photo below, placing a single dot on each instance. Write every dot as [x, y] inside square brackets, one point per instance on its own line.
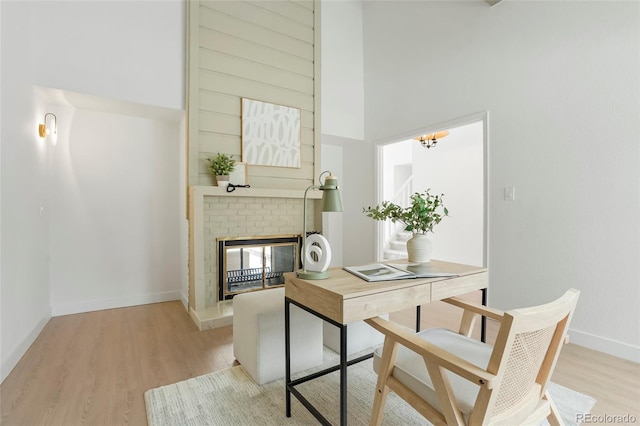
[425, 212]
[221, 164]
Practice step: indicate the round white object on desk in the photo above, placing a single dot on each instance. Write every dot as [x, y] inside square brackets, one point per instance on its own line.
[318, 245]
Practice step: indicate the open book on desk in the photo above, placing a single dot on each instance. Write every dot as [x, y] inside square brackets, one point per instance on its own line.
[397, 271]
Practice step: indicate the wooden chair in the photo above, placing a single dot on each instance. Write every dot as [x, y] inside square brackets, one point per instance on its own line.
[453, 379]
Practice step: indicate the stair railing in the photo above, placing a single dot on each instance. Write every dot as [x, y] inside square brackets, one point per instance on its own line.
[402, 198]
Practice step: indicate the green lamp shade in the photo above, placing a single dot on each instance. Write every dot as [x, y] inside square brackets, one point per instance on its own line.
[331, 201]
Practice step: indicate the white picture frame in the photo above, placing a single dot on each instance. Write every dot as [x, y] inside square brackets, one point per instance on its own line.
[239, 174]
[270, 134]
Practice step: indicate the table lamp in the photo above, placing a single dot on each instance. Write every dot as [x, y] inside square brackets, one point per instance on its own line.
[316, 269]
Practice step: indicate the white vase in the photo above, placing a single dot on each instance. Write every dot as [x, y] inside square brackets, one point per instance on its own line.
[222, 180]
[419, 248]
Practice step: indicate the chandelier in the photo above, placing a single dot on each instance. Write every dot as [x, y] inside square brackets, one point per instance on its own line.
[431, 139]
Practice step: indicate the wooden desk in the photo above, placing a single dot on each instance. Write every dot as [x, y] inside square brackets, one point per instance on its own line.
[344, 298]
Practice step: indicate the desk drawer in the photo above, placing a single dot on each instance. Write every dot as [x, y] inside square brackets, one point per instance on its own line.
[363, 307]
[458, 286]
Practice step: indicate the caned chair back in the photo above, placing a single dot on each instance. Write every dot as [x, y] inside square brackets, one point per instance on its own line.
[466, 382]
[525, 354]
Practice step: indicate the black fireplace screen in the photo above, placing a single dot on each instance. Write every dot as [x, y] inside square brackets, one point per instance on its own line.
[256, 263]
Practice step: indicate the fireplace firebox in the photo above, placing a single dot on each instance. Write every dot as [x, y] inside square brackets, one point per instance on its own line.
[255, 263]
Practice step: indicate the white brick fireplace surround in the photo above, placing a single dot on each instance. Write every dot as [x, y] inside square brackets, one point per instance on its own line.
[245, 212]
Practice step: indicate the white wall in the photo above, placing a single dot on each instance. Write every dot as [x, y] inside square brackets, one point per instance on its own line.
[24, 173]
[342, 116]
[1, 353]
[560, 80]
[129, 51]
[115, 211]
[394, 155]
[342, 111]
[349, 159]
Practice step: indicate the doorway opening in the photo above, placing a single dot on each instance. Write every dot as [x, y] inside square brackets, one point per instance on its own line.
[456, 167]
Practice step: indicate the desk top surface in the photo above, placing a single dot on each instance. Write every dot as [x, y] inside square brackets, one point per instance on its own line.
[345, 297]
[348, 285]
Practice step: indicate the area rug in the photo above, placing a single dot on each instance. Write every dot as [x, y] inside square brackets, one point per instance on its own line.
[230, 397]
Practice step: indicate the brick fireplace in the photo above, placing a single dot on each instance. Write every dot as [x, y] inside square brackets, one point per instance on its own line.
[216, 214]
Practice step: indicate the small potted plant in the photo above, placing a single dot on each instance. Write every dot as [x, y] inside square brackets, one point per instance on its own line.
[426, 211]
[221, 166]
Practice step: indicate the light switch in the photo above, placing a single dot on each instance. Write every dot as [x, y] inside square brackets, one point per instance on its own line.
[509, 193]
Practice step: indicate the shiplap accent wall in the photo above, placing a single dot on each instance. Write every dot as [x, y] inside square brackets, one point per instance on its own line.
[263, 50]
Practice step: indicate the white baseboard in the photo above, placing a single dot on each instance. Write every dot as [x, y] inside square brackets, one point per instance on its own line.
[603, 344]
[16, 354]
[98, 305]
[185, 300]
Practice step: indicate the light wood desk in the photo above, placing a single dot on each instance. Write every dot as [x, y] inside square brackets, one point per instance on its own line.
[344, 298]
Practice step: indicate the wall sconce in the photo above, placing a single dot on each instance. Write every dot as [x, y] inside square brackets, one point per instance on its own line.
[316, 244]
[51, 129]
[430, 140]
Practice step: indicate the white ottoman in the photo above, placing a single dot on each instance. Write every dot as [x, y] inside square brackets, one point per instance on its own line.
[360, 336]
[258, 335]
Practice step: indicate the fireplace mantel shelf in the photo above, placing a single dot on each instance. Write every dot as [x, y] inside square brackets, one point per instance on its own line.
[217, 191]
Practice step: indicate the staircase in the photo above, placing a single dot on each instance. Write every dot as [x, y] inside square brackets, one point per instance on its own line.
[395, 237]
[396, 248]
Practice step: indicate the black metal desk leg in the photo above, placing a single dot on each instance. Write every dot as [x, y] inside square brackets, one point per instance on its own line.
[287, 356]
[343, 375]
[483, 321]
[418, 311]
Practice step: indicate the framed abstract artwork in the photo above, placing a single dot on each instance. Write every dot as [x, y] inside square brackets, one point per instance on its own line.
[270, 134]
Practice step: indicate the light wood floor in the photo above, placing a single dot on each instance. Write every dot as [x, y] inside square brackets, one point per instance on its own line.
[93, 368]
